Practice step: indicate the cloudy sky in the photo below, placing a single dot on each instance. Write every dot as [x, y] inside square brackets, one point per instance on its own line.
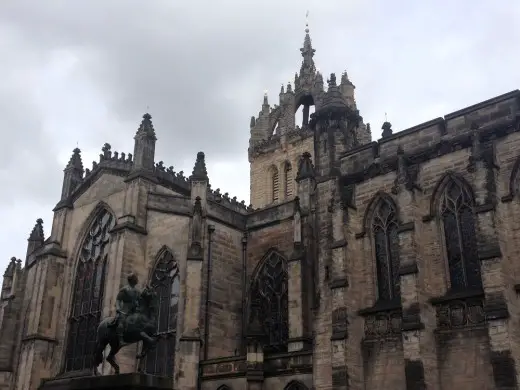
[83, 73]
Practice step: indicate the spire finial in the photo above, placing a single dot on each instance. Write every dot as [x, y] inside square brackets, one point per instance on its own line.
[307, 22]
[386, 117]
[199, 170]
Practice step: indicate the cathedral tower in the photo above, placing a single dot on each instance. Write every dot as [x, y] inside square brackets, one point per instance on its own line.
[276, 143]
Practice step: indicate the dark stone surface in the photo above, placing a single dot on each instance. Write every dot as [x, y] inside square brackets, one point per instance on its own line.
[109, 382]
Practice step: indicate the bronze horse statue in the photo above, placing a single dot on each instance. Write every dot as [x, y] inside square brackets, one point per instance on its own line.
[139, 325]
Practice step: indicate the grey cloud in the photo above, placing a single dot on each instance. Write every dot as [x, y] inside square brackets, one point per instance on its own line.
[201, 67]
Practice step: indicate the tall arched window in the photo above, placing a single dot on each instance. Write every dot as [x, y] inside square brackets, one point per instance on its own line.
[87, 300]
[269, 302]
[288, 179]
[166, 283]
[275, 184]
[456, 211]
[386, 242]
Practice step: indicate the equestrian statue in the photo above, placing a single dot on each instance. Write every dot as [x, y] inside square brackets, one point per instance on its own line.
[135, 321]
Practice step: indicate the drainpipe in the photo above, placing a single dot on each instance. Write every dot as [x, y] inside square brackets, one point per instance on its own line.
[211, 229]
[244, 293]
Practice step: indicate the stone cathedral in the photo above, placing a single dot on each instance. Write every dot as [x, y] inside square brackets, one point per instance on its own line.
[360, 264]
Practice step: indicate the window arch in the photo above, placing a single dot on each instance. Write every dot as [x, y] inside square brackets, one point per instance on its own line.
[269, 302]
[274, 184]
[166, 283]
[295, 385]
[384, 227]
[289, 182]
[89, 285]
[458, 223]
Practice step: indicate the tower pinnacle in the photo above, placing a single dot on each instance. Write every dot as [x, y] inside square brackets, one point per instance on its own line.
[307, 50]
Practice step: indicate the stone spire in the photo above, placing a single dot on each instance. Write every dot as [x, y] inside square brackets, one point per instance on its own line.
[199, 170]
[333, 98]
[37, 232]
[75, 161]
[146, 127]
[307, 50]
[36, 237]
[144, 145]
[73, 174]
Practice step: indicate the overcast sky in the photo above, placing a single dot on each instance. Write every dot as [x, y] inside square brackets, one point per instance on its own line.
[84, 72]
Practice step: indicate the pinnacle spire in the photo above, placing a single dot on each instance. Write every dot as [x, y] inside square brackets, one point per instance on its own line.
[37, 232]
[307, 50]
[146, 126]
[75, 160]
[199, 170]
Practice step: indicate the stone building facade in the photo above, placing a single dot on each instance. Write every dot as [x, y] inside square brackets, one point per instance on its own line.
[360, 264]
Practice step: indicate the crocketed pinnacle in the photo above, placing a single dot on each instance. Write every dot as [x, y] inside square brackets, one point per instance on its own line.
[305, 167]
[199, 170]
[146, 126]
[333, 98]
[9, 271]
[75, 161]
[307, 50]
[37, 232]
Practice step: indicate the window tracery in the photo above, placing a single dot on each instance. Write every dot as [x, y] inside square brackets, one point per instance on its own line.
[269, 302]
[386, 242]
[456, 210]
[87, 300]
[166, 283]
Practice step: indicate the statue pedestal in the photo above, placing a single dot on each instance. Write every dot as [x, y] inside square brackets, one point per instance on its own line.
[109, 382]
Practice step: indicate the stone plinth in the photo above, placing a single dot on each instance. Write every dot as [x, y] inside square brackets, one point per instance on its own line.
[109, 382]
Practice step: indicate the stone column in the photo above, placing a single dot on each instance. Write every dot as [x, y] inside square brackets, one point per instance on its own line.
[191, 336]
[484, 171]
[338, 285]
[301, 262]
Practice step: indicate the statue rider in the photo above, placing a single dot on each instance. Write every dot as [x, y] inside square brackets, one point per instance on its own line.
[127, 302]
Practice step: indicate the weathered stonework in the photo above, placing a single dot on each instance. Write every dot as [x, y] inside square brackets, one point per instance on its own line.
[293, 291]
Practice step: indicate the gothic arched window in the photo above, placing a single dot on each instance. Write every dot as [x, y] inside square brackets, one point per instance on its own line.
[166, 283]
[87, 300]
[288, 179]
[275, 184]
[269, 302]
[295, 385]
[386, 242]
[456, 211]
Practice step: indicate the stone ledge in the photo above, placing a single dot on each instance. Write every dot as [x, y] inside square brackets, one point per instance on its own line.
[132, 381]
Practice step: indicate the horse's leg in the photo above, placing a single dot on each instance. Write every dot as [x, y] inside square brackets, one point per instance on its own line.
[148, 344]
[98, 356]
[111, 358]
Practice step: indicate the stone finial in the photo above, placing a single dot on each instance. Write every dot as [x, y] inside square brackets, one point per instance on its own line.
[37, 232]
[146, 127]
[266, 100]
[9, 271]
[305, 167]
[253, 122]
[387, 129]
[75, 162]
[199, 170]
[332, 80]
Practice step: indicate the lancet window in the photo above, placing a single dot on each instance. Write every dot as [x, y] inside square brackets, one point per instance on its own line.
[87, 300]
[269, 302]
[166, 283]
[458, 222]
[386, 242]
